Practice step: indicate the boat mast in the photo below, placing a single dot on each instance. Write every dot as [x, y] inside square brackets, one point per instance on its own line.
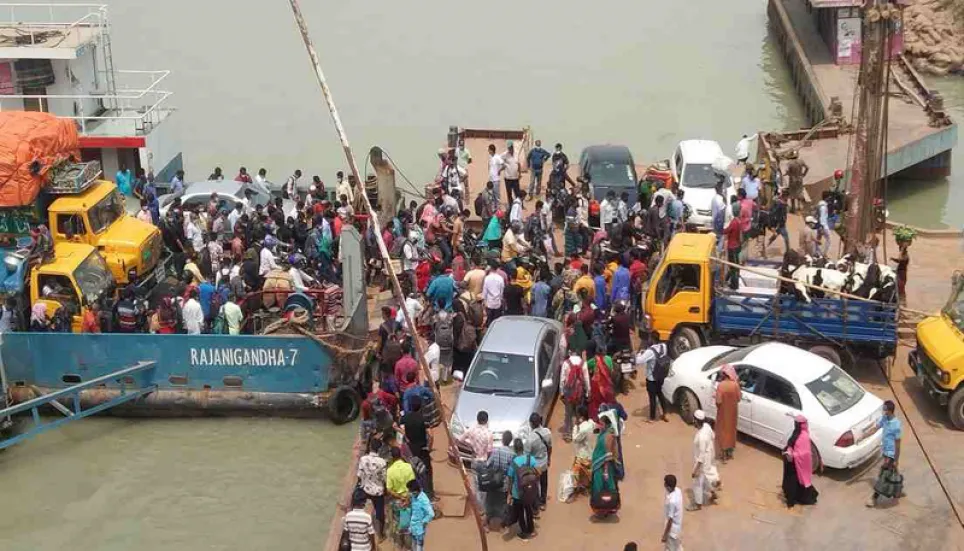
[386, 259]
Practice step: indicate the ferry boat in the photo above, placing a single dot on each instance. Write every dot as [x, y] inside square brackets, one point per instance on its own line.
[58, 58]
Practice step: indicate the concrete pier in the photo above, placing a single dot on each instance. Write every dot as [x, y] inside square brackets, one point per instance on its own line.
[919, 137]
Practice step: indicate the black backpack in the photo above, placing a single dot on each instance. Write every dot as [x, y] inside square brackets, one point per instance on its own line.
[527, 480]
[481, 208]
[491, 478]
[663, 363]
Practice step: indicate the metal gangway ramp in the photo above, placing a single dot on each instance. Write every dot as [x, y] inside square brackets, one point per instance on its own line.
[135, 381]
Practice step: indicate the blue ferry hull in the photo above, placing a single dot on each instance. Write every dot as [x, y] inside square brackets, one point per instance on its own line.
[194, 374]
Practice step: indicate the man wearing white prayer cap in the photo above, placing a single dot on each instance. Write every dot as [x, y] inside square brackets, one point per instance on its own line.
[705, 476]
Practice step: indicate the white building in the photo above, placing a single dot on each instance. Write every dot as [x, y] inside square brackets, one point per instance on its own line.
[57, 58]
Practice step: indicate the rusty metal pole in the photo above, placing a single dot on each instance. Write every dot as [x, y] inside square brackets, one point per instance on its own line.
[396, 286]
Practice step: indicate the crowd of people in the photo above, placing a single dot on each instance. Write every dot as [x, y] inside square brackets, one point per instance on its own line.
[458, 282]
[228, 260]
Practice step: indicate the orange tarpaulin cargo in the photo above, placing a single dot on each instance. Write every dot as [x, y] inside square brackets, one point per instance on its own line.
[30, 145]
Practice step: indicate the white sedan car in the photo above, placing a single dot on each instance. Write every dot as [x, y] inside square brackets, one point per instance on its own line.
[780, 381]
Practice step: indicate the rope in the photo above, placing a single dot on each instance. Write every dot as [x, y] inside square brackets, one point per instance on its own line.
[297, 322]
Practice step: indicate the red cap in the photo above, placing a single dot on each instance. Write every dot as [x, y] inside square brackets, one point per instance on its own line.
[838, 174]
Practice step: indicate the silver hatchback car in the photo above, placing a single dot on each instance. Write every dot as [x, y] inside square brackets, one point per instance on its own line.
[514, 373]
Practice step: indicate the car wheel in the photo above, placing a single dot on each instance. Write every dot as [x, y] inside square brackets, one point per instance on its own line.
[955, 409]
[828, 353]
[688, 404]
[684, 340]
[817, 465]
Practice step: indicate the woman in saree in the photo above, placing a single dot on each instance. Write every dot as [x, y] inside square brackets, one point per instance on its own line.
[601, 388]
[493, 233]
[798, 466]
[604, 488]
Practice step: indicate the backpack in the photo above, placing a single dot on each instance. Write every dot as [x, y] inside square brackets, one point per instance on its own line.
[481, 206]
[381, 415]
[661, 369]
[467, 338]
[532, 228]
[574, 387]
[444, 334]
[527, 482]
[491, 478]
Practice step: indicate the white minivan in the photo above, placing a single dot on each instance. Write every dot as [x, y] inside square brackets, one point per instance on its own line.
[696, 165]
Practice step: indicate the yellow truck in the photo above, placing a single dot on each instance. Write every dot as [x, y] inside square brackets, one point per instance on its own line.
[93, 213]
[938, 358]
[686, 306]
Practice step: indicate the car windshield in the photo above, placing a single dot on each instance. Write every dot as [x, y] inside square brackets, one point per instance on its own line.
[699, 175]
[93, 277]
[954, 309]
[503, 374]
[609, 173]
[836, 391]
[729, 357]
[104, 213]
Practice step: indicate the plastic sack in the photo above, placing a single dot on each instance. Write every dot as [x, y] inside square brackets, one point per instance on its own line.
[567, 486]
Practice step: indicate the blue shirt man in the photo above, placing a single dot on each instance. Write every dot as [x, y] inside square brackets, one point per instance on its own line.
[423, 393]
[892, 433]
[540, 299]
[537, 158]
[441, 291]
[205, 292]
[621, 284]
[422, 513]
[602, 297]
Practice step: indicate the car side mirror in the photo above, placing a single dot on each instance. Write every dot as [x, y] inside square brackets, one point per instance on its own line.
[547, 384]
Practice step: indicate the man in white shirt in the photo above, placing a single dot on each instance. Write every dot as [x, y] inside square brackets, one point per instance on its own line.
[299, 279]
[262, 177]
[515, 213]
[414, 308]
[511, 172]
[410, 258]
[492, 287]
[233, 315]
[607, 211]
[673, 513]
[462, 154]
[496, 166]
[268, 261]
[343, 187]
[743, 148]
[291, 185]
[234, 217]
[192, 314]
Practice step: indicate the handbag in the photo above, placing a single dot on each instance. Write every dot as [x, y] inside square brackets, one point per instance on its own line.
[890, 483]
[345, 543]
[605, 501]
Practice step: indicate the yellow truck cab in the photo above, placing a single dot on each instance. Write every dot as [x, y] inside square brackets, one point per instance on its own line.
[939, 356]
[677, 296]
[97, 216]
[77, 276]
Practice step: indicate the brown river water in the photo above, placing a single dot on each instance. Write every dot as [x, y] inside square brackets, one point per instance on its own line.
[646, 74]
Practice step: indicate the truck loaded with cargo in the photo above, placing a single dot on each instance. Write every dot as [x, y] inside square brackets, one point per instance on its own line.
[687, 305]
[46, 190]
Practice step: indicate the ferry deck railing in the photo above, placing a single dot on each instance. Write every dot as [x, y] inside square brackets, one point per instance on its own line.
[135, 381]
[138, 103]
[36, 22]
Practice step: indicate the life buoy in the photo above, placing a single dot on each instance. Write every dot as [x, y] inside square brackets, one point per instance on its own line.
[344, 405]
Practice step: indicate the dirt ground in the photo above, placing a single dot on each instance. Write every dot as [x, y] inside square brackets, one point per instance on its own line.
[750, 513]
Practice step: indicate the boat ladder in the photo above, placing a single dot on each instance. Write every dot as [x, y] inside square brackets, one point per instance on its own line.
[135, 381]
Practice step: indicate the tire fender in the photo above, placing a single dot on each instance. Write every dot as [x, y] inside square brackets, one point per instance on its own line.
[344, 405]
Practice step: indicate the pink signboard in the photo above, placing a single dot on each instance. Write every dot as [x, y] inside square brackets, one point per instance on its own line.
[7, 86]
